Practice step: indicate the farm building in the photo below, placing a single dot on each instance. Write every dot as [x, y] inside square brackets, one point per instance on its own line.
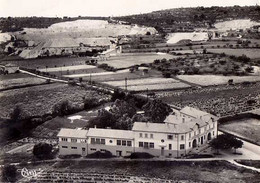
[9, 68]
[181, 132]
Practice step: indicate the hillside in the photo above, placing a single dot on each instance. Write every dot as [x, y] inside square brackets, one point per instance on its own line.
[186, 19]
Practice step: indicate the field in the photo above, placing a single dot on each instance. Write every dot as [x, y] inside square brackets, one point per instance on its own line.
[235, 24]
[126, 60]
[248, 128]
[50, 62]
[207, 80]
[219, 100]
[149, 84]
[193, 36]
[39, 100]
[18, 80]
[141, 171]
[251, 53]
[65, 68]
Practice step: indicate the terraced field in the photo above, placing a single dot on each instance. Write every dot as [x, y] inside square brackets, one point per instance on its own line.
[126, 60]
[19, 80]
[39, 100]
[207, 80]
[149, 84]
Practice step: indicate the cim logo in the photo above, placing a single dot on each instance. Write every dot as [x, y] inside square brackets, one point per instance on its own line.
[30, 173]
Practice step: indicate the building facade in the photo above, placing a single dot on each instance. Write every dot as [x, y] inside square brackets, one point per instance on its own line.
[180, 133]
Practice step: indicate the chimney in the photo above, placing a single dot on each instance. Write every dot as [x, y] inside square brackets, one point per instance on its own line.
[95, 126]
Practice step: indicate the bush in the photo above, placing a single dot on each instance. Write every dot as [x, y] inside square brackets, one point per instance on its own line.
[42, 150]
[71, 156]
[99, 154]
[9, 173]
[140, 155]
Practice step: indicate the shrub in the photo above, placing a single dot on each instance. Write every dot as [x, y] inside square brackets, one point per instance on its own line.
[140, 155]
[99, 154]
[9, 173]
[42, 150]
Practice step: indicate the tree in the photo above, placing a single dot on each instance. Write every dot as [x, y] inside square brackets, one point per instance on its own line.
[90, 103]
[156, 110]
[226, 141]
[236, 144]
[16, 114]
[9, 173]
[62, 108]
[42, 150]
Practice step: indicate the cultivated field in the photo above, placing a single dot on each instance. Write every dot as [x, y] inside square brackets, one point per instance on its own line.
[49, 62]
[141, 171]
[248, 128]
[126, 60]
[207, 80]
[65, 68]
[149, 84]
[219, 100]
[193, 36]
[235, 24]
[251, 53]
[19, 80]
[39, 100]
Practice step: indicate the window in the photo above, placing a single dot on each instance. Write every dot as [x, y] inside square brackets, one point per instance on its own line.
[145, 144]
[182, 137]
[64, 147]
[73, 147]
[162, 141]
[205, 128]
[170, 137]
[146, 135]
[170, 147]
[189, 144]
[194, 133]
[151, 136]
[141, 144]
[64, 139]
[199, 131]
[213, 133]
[73, 140]
[92, 141]
[170, 154]
[97, 141]
[129, 143]
[102, 150]
[118, 142]
[189, 135]
[103, 141]
[151, 145]
[93, 149]
[182, 146]
[123, 143]
[111, 141]
[140, 135]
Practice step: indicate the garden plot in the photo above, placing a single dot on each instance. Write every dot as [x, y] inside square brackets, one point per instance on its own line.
[128, 60]
[74, 67]
[248, 128]
[251, 53]
[149, 83]
[207, 80]
[18, 80]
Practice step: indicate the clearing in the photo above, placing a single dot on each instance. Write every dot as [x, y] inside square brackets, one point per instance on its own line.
[207, 80]
[248, 128]
[251, 53]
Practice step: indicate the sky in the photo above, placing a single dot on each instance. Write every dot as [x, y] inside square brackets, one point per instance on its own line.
[72, 8]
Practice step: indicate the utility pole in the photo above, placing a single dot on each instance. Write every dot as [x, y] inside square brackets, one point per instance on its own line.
[125, 84]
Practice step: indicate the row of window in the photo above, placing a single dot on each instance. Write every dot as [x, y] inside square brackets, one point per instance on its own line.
[73, 140]
[146, 144]
[145, 135]
[66, 147]
[124, 143]
[98, 141]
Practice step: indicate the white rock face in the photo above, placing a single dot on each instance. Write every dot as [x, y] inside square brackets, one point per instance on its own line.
[235, 24]
[193, 36]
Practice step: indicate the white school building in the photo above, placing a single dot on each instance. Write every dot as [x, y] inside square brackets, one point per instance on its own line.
[181, 132]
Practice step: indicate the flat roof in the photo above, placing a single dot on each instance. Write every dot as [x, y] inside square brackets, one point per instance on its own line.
[111, 133]
[74, 133]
